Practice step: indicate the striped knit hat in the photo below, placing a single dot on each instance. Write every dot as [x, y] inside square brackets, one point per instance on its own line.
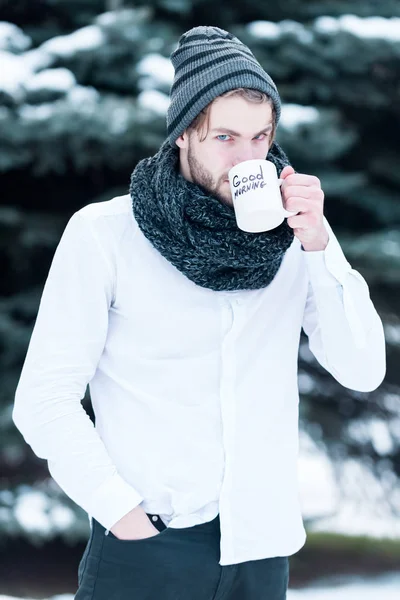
[208, 62]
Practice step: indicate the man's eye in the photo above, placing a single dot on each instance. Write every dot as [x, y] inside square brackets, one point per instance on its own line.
[223, 137]
[262, 136]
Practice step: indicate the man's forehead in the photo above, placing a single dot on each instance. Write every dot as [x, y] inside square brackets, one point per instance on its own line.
[251, 123]
[221, 111]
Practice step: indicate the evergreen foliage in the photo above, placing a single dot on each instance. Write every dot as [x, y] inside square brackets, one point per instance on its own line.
[83, 92]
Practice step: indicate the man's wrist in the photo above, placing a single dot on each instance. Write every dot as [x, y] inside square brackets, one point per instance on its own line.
[318, 245]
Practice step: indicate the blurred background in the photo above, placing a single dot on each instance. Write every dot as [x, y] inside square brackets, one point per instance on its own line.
[83, 94]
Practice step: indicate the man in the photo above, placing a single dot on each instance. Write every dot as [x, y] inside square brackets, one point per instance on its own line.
[187, 329]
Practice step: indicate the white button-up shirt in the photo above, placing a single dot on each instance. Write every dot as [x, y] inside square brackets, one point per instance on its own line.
[195, 391]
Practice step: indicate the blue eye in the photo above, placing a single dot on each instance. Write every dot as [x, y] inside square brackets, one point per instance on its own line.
[223, 135]
[260, 137]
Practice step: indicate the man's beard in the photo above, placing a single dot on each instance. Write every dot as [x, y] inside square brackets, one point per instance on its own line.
[204, 179]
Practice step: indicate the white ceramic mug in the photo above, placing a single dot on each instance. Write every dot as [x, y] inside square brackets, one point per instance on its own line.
[256, 195]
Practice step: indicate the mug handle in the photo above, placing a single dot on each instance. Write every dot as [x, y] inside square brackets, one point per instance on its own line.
[286, 213]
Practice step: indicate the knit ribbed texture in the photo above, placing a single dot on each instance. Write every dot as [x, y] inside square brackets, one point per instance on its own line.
[208, 62]
[197, 233]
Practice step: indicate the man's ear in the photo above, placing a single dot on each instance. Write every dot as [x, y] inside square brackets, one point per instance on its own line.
[182, 141]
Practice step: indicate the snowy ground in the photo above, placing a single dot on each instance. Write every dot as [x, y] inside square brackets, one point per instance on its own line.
[387, 587]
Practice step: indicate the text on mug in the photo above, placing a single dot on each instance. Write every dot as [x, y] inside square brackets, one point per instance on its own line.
[245, 184]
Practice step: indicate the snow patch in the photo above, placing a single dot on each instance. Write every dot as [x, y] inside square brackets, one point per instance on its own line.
[62, 518]
[14, 72]
[348, 500]
[295, 115]
[154, 100]
[363, 507]
[65, 46]
[392, 401]
[58, 597]
[18, 74]
[37, 513]
[387, 587]
[367, 28]
[30, 511]
[156, 69]
[328, 25]
[380, 436]
[60, 80]
[339, 588]
[306, 383]
[391, 247]
[107, 18]
[12, 38]
[298, 30]
[264, 30]
[39, 112]
[317, 485]
[82, 96]
[392, 335]
[373, 431]
[37, 60]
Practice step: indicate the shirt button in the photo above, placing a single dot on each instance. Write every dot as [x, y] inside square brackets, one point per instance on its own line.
[154, 518]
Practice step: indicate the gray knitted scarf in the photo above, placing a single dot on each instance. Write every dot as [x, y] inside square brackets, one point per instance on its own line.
[197, 233]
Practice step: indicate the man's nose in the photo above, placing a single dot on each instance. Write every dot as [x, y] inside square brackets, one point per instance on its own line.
[244, 152]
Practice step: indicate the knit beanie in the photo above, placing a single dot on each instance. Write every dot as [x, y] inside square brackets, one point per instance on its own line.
[208, 62]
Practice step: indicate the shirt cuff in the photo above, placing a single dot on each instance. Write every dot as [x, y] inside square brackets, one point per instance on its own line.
[329, 267]
[113, 500]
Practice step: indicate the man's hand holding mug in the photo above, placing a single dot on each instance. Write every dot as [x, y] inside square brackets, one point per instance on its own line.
[302, 194]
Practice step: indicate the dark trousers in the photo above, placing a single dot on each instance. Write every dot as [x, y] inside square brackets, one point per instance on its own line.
[176, 564]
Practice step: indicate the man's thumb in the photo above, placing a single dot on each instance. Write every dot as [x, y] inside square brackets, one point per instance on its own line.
[288, 170]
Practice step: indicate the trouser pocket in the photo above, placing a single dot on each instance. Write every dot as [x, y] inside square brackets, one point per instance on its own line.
[176, 564]
[102, 551]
